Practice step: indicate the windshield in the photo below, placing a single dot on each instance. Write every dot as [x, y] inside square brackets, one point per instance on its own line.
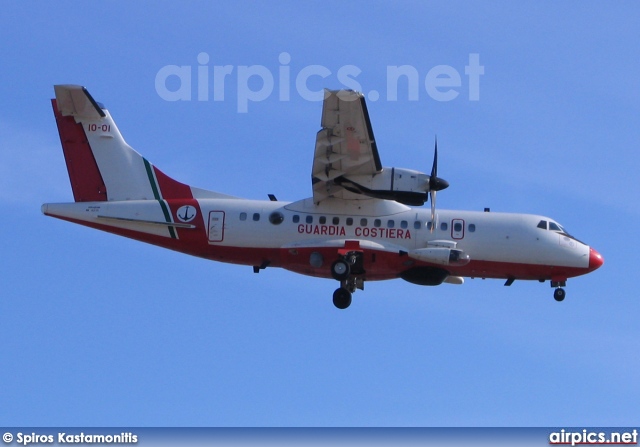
[554, 226]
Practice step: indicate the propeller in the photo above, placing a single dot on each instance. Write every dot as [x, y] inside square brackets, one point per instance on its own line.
[435, 184]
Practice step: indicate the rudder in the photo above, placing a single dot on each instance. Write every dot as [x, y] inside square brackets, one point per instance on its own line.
[86, 182]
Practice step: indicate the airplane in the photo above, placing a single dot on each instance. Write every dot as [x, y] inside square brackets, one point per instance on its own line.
[362, 223]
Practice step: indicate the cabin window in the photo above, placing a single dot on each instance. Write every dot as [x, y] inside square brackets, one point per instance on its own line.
[542, 224]
[349, 221]
[243, 216]
[276, 218]
[323, 220]
[429, 225]
[296, 218]
[256, 217]
[309, 219]
[377, 223]
[363, 222]
[417, 224]
[472, 228]
[336, 221]
[444, 226]
[457, 226]
[404, 224]
[391, 223]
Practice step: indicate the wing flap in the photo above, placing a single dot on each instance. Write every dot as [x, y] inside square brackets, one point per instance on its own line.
[344, 146]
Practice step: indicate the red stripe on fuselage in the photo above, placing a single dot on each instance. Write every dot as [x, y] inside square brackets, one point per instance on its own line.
[170, 188]
[190, 236]
[86, 181]
[177, 194]
[385, 265]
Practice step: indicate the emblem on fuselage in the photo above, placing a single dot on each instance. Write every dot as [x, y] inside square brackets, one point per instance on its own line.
[186, 213]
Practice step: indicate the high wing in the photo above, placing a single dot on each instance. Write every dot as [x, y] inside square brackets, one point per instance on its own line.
[345, 145]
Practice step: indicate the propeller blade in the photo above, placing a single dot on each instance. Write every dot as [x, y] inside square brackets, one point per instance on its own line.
[436, 183]
[434, 167]
[433, 209]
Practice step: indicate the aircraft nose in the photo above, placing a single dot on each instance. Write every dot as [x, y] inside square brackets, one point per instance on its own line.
[595, 259]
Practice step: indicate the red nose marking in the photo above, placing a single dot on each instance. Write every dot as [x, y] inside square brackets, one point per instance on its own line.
[595, 259]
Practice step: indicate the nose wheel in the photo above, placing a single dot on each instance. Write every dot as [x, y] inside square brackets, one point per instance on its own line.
[559, 294]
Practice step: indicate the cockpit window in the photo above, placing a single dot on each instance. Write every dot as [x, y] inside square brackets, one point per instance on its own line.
[552, 226]
[560, 229]
[557, 228]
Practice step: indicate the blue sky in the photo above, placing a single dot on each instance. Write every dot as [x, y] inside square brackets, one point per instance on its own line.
[103, 331]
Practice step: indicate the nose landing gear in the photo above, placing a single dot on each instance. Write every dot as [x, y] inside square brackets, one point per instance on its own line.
[559, 294]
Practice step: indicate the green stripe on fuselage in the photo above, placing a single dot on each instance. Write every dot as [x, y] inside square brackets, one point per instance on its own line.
[158, 197]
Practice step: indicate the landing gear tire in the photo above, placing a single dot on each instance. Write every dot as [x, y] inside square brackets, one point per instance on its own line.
[341, 298]
[559, 294]
[340, 270]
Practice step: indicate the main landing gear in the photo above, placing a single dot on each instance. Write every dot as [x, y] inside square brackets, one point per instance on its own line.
[346, 270]
[342, 298]
[341, 269]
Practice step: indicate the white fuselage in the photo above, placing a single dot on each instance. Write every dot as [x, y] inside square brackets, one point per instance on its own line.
[380, 225]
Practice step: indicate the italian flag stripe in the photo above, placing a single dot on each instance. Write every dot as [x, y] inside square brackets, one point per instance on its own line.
[158, 197]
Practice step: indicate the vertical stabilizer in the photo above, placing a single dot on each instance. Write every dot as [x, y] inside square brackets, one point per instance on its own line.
[101, 165]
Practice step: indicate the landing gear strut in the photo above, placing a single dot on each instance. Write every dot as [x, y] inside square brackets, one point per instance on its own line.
[345, 270]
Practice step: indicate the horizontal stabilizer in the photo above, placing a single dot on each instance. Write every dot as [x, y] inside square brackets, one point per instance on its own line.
[149, 222]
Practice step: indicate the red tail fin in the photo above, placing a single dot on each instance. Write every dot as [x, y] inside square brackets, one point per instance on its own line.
[86, 182]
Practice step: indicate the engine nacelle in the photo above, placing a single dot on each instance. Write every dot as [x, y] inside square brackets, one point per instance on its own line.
[425, 276]
[402, 185]
[441, 255]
